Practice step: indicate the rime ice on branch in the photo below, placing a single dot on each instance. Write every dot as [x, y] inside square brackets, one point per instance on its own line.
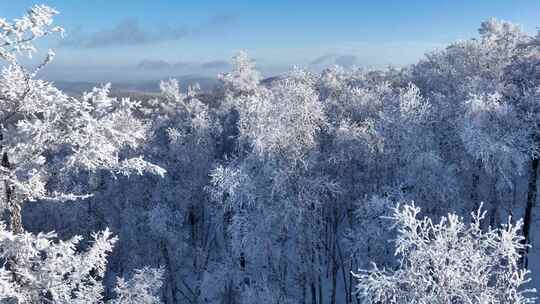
[449, 262]
[45, 133]
[37, 120]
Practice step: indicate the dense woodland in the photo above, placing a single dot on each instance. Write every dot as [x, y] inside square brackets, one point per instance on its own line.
[402, 185]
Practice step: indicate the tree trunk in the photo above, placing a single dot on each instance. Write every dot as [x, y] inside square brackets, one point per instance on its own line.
[474, 185]
[16, 217]
[343, 274]
[334, 282]
[13, 205]
[313, 292]
[170, 283]
[531, 202]
[320, 290]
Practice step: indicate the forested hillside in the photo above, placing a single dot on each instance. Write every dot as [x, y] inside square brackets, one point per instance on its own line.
[401, 185]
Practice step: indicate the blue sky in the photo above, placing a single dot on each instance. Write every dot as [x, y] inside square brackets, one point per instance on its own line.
[161, 37]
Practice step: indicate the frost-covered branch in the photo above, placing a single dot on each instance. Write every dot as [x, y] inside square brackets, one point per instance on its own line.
[449, 262]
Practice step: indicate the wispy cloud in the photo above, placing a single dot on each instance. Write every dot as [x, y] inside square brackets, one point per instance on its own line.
[129, 32]
[216, 64]
[344, 60]
[158, 64]
[149, 64]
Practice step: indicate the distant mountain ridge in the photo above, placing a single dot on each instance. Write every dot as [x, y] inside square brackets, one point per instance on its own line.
[77, 88]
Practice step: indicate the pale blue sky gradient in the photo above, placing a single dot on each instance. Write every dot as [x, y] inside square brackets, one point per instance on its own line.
[197, 36]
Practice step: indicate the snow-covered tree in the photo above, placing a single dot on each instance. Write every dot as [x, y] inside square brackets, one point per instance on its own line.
[184, 142]
[45, 136]
[244, 78]
[449, 262]
[42, 269]
[282, 121]
[142, 288]
[521, 95]
[477, 135]
[44, 132]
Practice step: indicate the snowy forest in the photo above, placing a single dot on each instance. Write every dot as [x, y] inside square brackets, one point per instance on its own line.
[415, 184]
